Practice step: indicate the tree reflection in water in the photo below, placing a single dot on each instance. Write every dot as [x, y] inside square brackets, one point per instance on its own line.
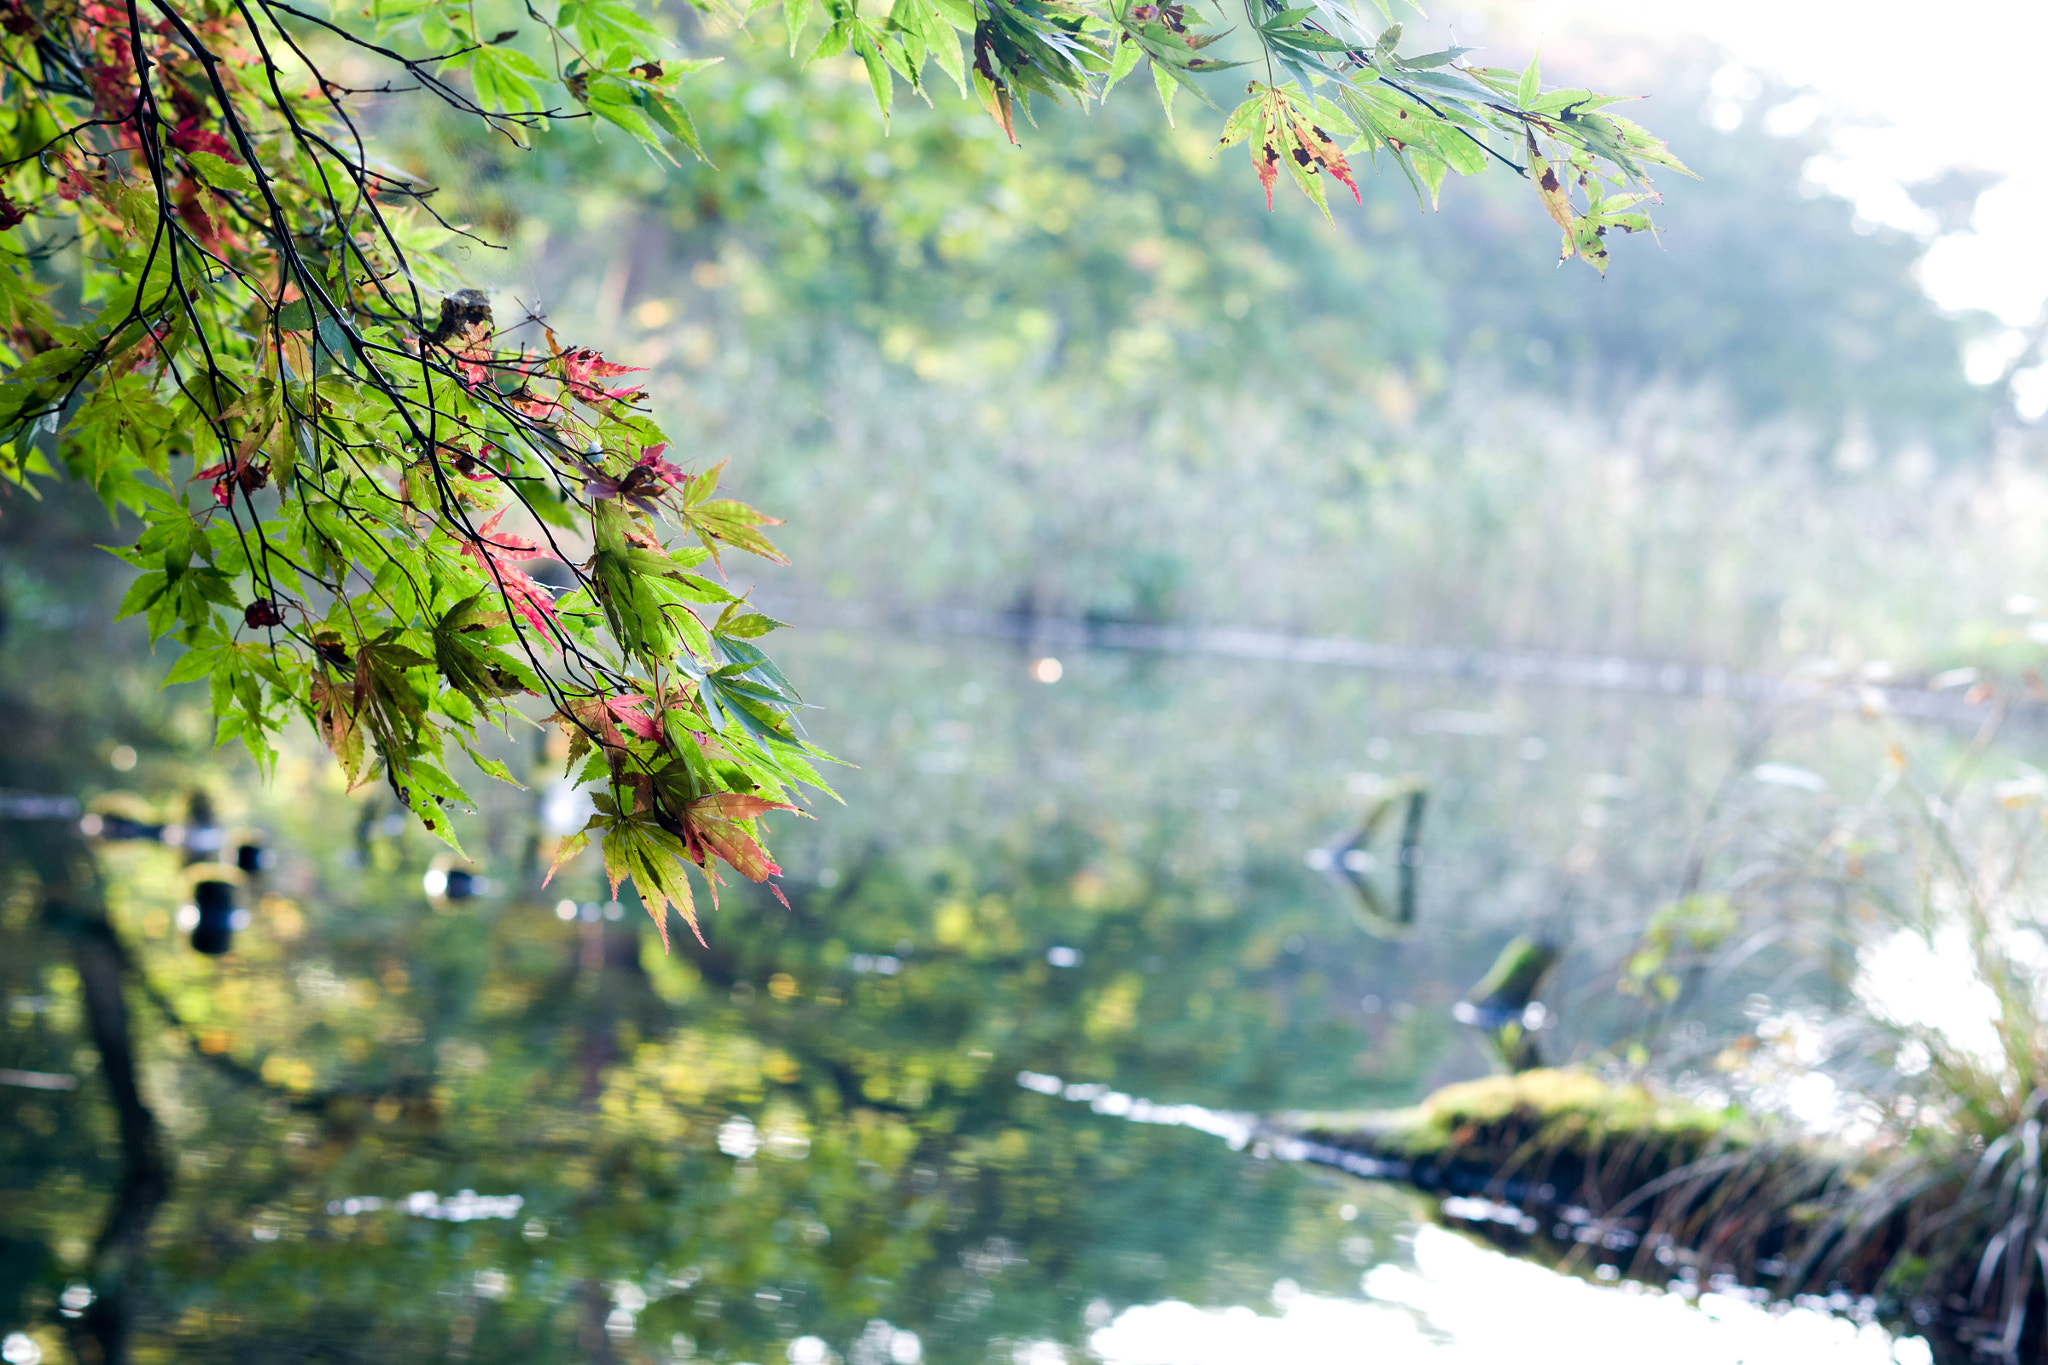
[810, 1127]
[488, 1132]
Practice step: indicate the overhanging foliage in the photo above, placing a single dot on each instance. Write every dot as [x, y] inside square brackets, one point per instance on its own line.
[207, 263]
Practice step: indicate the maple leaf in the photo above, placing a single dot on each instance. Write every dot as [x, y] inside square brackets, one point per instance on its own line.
[573, 845]
[1286, 127]
[231, 473]
[644, 485]
[721, 825]
[653, 858]
[464, 330]
[495, 552]
[1314, 147]
[336, 704]
[538, 409]
[630, 711]
[584, 720]
[989, 84]
[721, 521]
[75, 184]
[579, 367]
[192, 136]
[193, 210]
[477, 467]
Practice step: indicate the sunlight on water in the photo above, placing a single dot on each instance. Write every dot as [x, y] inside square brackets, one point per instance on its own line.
[1236, 1129]
[1934, 983]
[1464, 1303]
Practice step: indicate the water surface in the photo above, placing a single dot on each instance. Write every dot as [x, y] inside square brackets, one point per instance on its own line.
[511, 1128]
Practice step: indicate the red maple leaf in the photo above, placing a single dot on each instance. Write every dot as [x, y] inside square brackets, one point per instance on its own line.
[630, 711]
[74, 185]
[193, 136]
[655, 467]
[722, 824]
[497, 552]
[1267, 160]
[194, 209]
[223, 476]
[581, 366]
[477, 468]
[539, 409]
[230, 474]
[1315, 148]
[644, 485]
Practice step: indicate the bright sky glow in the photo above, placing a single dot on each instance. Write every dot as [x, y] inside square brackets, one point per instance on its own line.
[1465, 1305]
[1941, 76]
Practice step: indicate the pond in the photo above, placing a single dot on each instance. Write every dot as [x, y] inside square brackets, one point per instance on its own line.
[899, 1120]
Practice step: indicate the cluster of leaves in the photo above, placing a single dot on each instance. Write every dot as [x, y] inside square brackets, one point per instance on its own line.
[1436, 114]
[1330, 75]
[207, 264]
[214, 270]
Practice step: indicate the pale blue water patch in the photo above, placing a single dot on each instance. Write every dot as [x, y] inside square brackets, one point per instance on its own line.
[1457, 1303]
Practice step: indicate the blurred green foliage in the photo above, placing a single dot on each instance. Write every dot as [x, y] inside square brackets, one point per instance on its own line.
[1108, 250]
[1105, 383]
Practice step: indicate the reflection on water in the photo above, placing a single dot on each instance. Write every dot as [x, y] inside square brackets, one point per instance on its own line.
[1457, 1303]
[1235, 1129]
[487, 1129]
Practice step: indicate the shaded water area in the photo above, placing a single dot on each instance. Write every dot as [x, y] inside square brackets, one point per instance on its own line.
[506, 1126]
